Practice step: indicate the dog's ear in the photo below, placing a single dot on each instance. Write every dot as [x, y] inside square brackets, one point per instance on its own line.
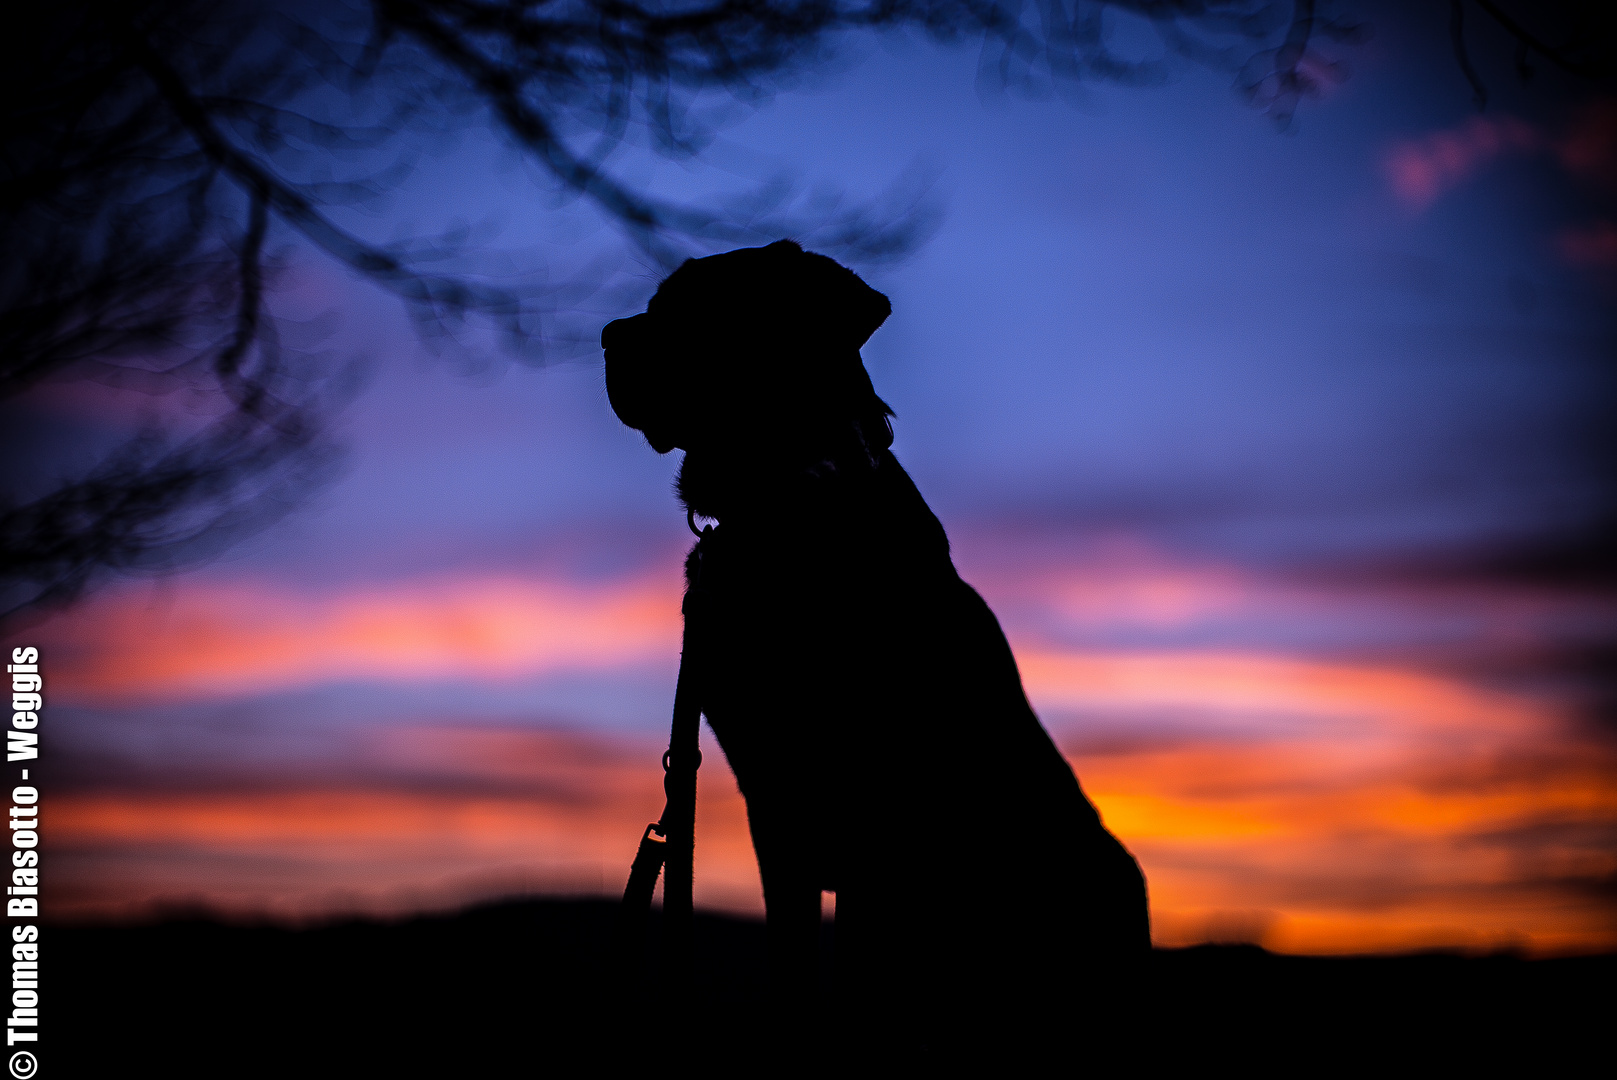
[831, 304]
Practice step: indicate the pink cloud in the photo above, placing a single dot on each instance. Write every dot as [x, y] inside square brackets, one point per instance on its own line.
[1593, 246]
[1326, 699]
[1420, 170]
[220, 639]
[1589, 150]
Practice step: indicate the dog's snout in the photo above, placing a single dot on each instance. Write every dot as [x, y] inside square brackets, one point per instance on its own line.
[636, 387]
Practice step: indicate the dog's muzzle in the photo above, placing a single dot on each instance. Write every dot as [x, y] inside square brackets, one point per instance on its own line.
[638, 387]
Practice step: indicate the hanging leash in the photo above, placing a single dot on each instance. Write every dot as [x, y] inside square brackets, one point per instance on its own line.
[669, 844]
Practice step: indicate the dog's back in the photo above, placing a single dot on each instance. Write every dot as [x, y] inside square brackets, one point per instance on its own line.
[872, 710]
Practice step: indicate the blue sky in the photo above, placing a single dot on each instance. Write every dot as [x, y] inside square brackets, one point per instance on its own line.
[1151, 311]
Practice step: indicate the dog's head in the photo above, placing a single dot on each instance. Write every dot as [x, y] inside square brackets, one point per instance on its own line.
[759, 345]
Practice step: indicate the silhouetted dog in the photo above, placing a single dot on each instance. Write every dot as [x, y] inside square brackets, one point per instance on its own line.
[864, 695]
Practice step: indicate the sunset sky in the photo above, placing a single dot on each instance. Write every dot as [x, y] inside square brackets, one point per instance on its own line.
[1280, 457]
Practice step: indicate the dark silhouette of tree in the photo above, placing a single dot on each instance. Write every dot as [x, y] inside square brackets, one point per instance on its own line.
[1577, 42]
[160, 154]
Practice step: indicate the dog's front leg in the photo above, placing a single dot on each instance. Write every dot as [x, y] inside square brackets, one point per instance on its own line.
[792, 911]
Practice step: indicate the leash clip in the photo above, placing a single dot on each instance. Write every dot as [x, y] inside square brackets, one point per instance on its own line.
[668, 760]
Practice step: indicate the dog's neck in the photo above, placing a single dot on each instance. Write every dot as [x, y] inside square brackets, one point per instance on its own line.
[724, 482]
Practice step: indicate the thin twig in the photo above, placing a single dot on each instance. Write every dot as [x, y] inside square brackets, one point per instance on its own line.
[1479, 92]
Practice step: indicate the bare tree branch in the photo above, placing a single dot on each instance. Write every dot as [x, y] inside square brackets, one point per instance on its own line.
[1479, 92]
[1527, 42]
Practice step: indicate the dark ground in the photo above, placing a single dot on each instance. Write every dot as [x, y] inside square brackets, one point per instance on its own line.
[516, 989]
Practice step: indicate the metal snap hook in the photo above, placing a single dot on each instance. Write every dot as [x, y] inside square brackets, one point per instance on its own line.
[668, 756]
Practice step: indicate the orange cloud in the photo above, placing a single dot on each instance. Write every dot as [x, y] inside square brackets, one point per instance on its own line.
[1444, 817]
[561, 813]
[1275, 840]
[1312, 803]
